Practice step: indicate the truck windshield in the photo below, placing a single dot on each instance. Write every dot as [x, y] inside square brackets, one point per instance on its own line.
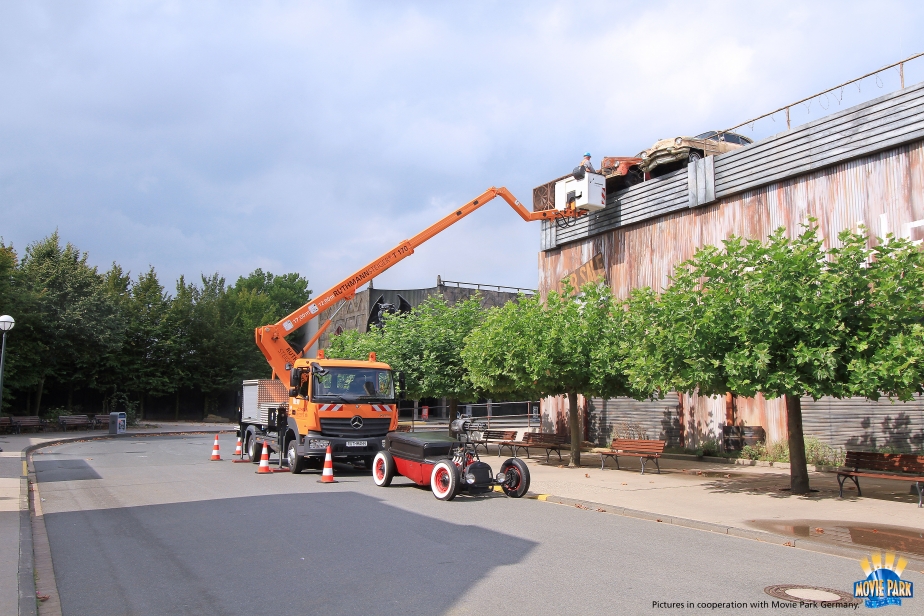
[354, 385]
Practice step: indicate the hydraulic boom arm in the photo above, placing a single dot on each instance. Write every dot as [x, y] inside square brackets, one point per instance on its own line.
[271, 338]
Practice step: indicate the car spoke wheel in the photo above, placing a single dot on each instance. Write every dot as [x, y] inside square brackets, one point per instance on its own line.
[444, 480]
[695, 156]
[516, 482]
[383, 469]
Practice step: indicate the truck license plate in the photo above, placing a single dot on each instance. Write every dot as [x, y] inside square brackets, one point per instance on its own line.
[356, 443]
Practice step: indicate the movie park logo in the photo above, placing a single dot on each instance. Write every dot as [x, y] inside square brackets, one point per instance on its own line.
[883, 584]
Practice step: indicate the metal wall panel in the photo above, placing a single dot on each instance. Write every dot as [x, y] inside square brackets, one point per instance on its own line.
[858, 424]
[888, 123]
[879, 124]
[652, 198]
[884, 190]
[659, 418]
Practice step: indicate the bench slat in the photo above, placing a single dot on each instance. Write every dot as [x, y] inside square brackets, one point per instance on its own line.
[895, 462]
[898, 466]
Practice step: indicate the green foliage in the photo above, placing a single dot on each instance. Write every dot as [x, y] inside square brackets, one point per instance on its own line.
[78, 329]
[785, 317]
[530, 349]
[52, 415]
[816, 452]
[567, 345]
[823, 454]
[709, 447]
[425, 343]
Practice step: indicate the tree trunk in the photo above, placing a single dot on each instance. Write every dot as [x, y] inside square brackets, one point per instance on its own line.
[574, 425]
[798, 471]
[38, 395]
[141, 405]
[176, 412]
[453, 409]
[70, 397]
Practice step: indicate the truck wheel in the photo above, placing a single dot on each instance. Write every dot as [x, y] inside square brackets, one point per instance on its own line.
[517, 477]
[444, 480]
[296, 462]
[254, 449]
[383, 469]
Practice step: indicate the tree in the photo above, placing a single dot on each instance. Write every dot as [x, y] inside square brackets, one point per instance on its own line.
[258, 299]
[140, 368]
[25, 348]
[535, 349]
[426, 344]
[887, 351]
[784, 318]
[80, 322]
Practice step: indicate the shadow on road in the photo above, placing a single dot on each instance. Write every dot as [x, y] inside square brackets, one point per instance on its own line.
[47, 471]
[335, 553]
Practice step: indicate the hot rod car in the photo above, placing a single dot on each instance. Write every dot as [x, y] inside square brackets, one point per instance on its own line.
[449, 464]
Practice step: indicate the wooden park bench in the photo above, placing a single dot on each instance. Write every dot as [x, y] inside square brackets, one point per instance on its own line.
[29, 421]
[538, 440]
[489, 436]
[6, 424]
[74, 421]
[100, 421]
[900, 466]
[644, 449]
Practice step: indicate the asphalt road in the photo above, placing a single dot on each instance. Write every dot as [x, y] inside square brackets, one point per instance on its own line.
[151, 526]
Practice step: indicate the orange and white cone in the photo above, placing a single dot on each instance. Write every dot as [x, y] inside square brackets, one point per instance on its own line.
[238, 452]
[328, 475]
[264, 461]
[216, 455]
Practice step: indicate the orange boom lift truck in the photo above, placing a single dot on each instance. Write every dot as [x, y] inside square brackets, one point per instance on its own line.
[313, 403]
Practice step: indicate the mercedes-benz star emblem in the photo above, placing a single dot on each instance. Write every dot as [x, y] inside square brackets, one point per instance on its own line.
[356, 422]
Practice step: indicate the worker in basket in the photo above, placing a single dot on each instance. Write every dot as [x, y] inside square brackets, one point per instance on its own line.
[588, 166]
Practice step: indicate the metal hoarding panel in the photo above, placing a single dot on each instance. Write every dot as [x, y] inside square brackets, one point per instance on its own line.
[884, 191]
[858, 424]
[660, 419]
[876, 129]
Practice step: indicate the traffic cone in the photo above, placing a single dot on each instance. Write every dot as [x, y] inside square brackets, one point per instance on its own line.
[328, 475]
[216, 455]
[239, 454]
[264, 461]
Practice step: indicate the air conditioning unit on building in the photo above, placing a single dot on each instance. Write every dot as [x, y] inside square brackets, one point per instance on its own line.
[586, 192]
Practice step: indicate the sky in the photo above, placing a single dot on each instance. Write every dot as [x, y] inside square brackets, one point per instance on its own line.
[311, 137]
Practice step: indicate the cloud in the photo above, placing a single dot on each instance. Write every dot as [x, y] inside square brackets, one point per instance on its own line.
[312, 137]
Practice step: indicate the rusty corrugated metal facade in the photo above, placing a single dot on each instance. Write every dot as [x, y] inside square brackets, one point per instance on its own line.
[882, 189]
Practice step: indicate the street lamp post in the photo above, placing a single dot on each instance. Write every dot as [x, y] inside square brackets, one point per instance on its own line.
[6, 324]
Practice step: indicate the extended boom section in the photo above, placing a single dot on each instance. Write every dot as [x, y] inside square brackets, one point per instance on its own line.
[271, 338]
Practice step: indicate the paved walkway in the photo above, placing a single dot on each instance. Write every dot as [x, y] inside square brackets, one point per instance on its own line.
[742, 500]
[14, 532]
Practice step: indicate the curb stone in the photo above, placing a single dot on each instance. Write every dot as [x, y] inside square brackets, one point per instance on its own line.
[26, 566]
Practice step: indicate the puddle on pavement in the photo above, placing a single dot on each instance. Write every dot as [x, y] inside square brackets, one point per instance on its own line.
[855, 534]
